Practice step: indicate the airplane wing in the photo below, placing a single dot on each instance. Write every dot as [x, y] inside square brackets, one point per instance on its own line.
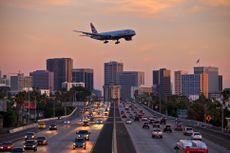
[87, 33]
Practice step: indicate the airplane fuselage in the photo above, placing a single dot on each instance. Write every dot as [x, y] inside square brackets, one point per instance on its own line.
[115, 35]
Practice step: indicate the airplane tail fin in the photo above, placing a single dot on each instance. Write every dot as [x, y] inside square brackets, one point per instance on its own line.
[93, 29]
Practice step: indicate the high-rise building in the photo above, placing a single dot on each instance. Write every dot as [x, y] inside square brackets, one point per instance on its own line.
[20, 82]
[193, 85]
[43, 79]
[129, 79]
[178, 82]
[220, 82]
[162, 82]
[84, 75]
[111, 71]
[213, 82]
[62, 69]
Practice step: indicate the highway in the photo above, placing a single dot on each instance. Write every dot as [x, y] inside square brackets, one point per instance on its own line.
[61, 140]
[144, 143]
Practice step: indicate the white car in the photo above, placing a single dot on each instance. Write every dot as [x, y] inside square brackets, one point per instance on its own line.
[196, 136]
[157, 133]
[188, 131]
[66, 122]
[128, 121]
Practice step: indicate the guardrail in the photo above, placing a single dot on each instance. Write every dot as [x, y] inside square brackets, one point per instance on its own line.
[34, 125]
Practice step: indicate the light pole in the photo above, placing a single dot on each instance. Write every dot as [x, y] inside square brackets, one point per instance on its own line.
[221, 101]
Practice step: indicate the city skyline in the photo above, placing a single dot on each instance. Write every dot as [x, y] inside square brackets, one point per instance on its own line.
[172, 35]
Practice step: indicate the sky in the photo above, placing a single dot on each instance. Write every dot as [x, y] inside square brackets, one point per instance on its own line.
[171, 34]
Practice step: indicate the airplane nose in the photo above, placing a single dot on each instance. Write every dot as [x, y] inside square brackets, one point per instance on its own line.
[134, 33]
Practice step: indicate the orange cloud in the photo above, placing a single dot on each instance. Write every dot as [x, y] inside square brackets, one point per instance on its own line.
[140, 7]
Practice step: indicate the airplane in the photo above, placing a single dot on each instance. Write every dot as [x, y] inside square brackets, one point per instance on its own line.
[127, 34]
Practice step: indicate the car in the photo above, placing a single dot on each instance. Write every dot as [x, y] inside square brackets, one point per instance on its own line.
[79, 143]
[6, 146]
[66, 122]
[157, 133]
[17, 150]
[30, 145]
[30, 136]
[42, 140]
[196, 136]
[178, 127]
[53, 127]
[136, 118]
[156, 125]
[191, 146]
[99, 121]
[41, 125]
[83, 134]
[145, 125]
[144, 119]
[188, 131]
[163, 120]
[168, 129]
[128, 121]
[85, 123]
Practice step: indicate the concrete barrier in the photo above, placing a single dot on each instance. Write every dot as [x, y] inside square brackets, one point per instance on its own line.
[34, 125]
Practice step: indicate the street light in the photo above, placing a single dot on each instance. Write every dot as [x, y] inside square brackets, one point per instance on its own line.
[222, 112]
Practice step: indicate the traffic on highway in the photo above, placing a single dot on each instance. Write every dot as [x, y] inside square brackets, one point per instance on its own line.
[155, 133]
[76, 134]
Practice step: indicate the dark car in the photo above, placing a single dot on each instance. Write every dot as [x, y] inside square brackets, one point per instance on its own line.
[30, 145]
[85, 123]
[79, 143]
[17, 150]
[83, 134]
[156, 125]
[136, 118]
[178, 127]
[145, 125]
[30, 136]
[53, 127]
[163, 120]
[42, 141]
[168, 128]
[6, 146]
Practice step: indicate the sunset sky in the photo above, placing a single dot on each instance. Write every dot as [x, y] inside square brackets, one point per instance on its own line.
[170, 33]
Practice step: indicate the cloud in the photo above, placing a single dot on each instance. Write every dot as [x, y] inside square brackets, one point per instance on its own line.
[140, 7]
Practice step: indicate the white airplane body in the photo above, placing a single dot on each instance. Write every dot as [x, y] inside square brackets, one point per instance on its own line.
[127, 34]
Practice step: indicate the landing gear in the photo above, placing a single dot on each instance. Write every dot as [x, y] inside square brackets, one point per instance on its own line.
[117, 42]
[106, 41]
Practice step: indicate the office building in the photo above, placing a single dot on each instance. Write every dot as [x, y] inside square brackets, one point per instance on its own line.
[62, 69]
[220, 83]
[84, 75]
[178, 82]
[111, 71]
[162, 83]
[129, 79]
[42, 79]
[193, 85]
[141, 90]
[69, 85]
[20, 82]
[213, 80]
[5, 81]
